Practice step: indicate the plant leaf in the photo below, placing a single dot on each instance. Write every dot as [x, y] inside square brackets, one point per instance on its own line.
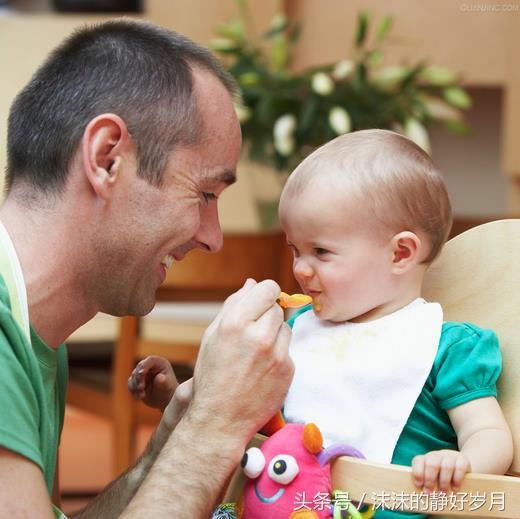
[308, 115]
[362, 28]
[457, 97]
[384, 26]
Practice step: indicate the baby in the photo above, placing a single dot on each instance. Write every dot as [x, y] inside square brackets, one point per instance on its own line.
[375, 365]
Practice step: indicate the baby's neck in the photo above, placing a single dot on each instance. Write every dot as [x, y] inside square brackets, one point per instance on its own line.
[385, 309]
[403, 295]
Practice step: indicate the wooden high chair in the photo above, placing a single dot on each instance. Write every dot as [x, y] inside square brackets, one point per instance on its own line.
[476, 279]
[200, 277]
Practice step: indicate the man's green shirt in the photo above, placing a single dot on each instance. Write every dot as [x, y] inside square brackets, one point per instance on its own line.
[33, 383]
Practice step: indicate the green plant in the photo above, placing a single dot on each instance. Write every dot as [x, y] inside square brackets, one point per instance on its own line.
[285, 115]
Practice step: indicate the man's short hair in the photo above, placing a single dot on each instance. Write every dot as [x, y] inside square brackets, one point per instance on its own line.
[391, 178]
[136, 70]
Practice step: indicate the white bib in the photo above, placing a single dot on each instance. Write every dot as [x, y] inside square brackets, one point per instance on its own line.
[359, 381]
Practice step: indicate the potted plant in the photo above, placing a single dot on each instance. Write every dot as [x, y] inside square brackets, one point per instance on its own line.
[285, 114]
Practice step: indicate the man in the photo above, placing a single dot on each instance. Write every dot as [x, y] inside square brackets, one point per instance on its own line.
[118, 150]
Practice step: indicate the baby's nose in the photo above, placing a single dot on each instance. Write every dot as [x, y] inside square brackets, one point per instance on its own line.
[302, 269]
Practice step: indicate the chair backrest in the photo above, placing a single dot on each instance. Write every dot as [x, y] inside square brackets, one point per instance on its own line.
[477, 279]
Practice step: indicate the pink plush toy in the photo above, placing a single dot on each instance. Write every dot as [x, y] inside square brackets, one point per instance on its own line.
[289, 476]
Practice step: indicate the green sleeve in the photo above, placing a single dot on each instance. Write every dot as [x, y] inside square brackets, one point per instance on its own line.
[467, 366]
[19, 422]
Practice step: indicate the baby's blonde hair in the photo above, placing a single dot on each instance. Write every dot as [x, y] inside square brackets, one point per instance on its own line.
[392, 178]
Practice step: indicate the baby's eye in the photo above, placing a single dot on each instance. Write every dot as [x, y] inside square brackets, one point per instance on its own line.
[253, 462]
[320, 251]
[283, 469]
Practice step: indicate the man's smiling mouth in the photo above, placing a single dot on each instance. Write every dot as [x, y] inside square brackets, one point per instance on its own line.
[167, 261]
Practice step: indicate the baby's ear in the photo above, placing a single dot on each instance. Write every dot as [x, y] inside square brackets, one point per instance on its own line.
[406, 251]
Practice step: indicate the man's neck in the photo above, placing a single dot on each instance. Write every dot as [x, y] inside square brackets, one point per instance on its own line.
[48, 248]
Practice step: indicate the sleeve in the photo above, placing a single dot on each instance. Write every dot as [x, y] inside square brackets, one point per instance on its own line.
[467, 366]
[19, 410]
[63, 381]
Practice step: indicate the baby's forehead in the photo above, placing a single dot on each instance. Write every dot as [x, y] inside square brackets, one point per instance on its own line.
[319, 205]
[322, 185]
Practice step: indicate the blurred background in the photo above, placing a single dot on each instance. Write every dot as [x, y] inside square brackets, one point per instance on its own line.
[447, 69]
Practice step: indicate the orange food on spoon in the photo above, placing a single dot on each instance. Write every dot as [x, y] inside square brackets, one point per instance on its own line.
[293, 301]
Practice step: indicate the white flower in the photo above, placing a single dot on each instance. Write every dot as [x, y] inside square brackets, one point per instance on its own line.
[415, 131]
[243, 112]
[438, 109]
[278, 22]
[284, 127]
[284, 146]
[283, 131]
[339, 120]
[322, 84]
[343, 69]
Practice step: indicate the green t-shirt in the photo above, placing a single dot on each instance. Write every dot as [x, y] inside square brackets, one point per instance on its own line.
[466, 367]
[33, 383]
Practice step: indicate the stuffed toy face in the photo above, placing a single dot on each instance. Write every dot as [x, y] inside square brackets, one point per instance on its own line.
[286, 473]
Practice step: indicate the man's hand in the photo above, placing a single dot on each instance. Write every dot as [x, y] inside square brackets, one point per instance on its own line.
[243, 370]
[443, 470]
[241, 378]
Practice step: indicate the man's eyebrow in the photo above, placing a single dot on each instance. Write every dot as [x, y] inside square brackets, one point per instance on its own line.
[227, 177]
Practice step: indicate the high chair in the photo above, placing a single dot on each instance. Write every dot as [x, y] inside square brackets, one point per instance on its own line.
[476, 279]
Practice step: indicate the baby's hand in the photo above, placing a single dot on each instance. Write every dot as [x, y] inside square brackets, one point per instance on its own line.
[444, 470]
[153, 381]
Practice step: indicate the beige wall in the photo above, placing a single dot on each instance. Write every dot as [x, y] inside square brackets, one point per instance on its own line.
[441, 32]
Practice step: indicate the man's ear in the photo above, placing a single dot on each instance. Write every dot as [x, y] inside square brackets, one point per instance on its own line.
[105, 145]
[406, 251]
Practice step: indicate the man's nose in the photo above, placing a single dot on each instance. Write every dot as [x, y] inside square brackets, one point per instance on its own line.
[209, 235]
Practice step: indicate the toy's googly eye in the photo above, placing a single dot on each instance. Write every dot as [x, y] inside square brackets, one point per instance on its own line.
[283, 469]
[253, 462]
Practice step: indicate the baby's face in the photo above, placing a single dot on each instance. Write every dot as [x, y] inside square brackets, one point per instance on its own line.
[344, 265]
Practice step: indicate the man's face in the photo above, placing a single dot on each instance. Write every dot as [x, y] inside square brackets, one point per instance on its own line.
[161, 224]
[338, 260]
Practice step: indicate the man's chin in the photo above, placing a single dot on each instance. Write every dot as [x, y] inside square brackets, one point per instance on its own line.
[137, 309]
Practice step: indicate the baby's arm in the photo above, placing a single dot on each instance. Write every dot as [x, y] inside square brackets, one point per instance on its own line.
[485, 446]
[153, 381]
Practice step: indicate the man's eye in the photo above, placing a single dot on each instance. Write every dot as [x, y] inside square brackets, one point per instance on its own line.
[208, 197]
